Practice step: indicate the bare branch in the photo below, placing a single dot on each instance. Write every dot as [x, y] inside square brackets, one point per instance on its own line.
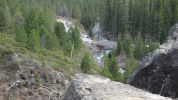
[16, 82]
[164, 84]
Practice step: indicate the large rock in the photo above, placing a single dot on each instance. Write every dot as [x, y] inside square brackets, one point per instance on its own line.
[158, 72]
[92, 87]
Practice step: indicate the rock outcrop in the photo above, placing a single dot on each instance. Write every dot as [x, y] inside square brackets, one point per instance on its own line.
[158, 72]
[28, 80]
[92, 87]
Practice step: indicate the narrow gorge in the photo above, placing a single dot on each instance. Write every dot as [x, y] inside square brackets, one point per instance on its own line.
[99, 45]
[157, 71]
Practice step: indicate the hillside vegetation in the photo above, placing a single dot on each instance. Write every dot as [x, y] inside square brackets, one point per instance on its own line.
[139, 26]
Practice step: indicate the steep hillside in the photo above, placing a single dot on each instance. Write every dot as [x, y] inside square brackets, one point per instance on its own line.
[158, 71]
[35, 76]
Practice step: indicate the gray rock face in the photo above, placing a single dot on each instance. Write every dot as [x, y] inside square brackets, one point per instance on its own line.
[158, 72]
[90, 87]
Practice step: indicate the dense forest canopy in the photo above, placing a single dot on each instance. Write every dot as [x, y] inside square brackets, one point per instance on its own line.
[151, 18]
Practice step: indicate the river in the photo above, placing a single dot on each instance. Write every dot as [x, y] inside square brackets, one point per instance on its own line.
[99, 45]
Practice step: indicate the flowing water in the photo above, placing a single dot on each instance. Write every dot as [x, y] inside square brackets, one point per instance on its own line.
[105, 46]
[99, 45]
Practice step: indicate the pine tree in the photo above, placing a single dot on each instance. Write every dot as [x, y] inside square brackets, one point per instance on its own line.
[60, 33]
[125, 16]
[21, 36]
[174, 7]
[75, 38]
[120, 44]
[43, 35]
[167, 22]
[77, 12]
[105, 71]
[127, 44]
[86, 63]
[2, 21]
[131, 66]
[111, 69]
[52, 42]
[33, 41]
[139, 47]
[107, 16]
[31, 22]
[68, 45]
[176, 11]
[160, 23]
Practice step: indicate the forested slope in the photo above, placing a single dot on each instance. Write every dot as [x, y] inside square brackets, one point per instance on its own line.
[32, 29]
[142, 24]
[151, 18]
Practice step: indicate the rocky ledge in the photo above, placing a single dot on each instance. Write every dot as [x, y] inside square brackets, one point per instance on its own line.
[93, 87]
[28, 80]
[159, 70]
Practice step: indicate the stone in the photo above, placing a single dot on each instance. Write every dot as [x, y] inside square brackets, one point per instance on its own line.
[158, 72]
[22, 76]
[94, 87]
